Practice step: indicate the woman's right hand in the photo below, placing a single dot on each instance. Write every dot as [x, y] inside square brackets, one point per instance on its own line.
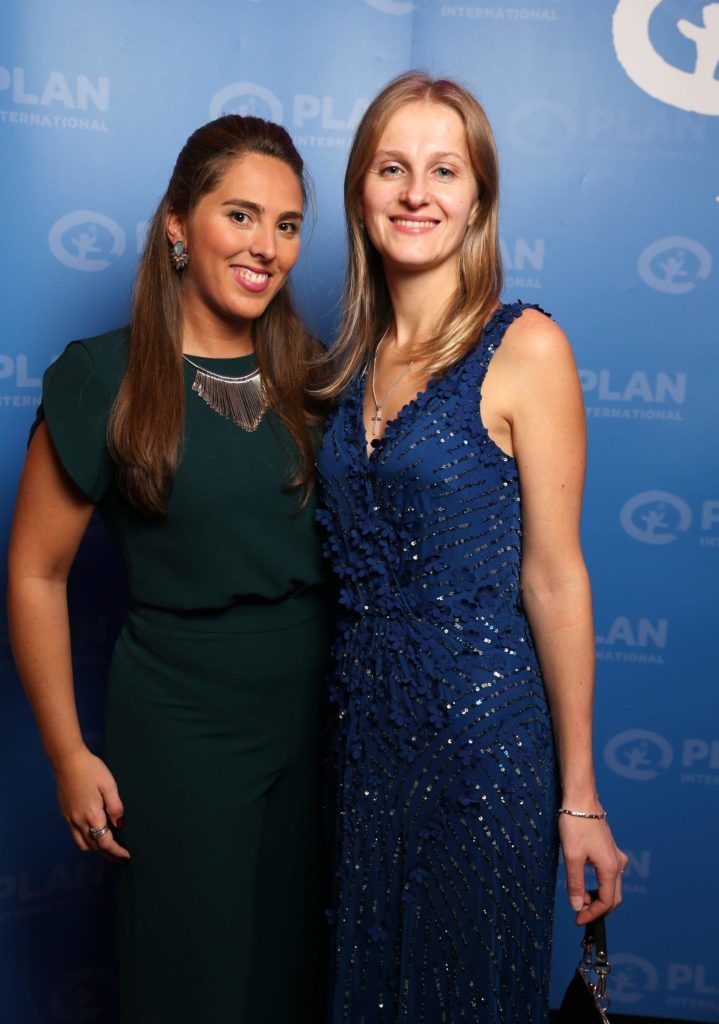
[88, 798]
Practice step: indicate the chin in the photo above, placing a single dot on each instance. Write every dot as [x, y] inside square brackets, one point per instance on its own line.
[410, 261]
[251, 309]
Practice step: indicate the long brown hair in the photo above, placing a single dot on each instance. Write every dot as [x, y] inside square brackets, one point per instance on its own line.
[367, 308]
[146, 424]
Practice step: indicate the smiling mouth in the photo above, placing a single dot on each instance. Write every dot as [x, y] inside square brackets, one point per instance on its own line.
[255, 276]
[412, 224]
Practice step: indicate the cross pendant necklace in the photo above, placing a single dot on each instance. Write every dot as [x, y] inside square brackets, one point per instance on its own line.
[377, 418]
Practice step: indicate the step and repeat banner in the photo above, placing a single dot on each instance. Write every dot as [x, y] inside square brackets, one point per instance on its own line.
[607, 118]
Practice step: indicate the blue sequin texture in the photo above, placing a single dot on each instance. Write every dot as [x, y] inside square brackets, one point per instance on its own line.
[446, 783]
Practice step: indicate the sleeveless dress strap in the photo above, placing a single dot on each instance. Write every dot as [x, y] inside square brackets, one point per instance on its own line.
[493, 335]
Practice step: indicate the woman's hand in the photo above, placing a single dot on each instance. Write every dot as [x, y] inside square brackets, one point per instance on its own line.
[590, 841]
[89, 799]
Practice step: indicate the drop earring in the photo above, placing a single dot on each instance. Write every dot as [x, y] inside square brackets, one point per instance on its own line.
[179, 256]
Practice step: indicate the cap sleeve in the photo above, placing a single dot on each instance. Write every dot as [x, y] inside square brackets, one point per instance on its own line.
[76, 406]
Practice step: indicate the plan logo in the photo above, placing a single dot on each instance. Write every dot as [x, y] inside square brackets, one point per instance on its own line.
[78, 94]
[696, 91]
[637, 874]
[86, 240]
[392, 6]
[246, 98]
[53, 100]
[636, 395]
[16, 374]
[656, 388]
[638, 754]
[634, 641]
[641, 755]
[329, 120]
[542, 127]
[675, 265]
[631, 978]
[655, 517]
[524, 260]
[16, 369]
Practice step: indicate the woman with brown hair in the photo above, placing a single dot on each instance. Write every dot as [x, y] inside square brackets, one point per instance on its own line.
[451, 478]
[193, 434]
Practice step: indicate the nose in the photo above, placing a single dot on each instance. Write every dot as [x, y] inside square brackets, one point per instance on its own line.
[415, 194]
[262, 245]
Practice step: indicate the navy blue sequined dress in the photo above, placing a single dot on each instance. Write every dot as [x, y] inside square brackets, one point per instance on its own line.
[446, 776]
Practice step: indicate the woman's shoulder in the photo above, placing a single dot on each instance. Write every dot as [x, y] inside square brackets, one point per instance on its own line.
[104, 355]
[533, 338]
[90, 368]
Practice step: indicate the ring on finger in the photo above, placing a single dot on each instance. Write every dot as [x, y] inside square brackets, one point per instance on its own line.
[98, 833]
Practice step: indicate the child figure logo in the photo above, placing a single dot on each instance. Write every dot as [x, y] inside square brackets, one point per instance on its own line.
[86, 240]
[675, 264]
[697, 91]
[638, 754]
[655, 517]
[246, 98]
[631, 978]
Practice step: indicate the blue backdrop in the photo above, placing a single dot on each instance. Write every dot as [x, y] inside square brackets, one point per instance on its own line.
[607, 116]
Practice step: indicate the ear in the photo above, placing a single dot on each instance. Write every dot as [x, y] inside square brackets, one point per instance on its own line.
[175, 227]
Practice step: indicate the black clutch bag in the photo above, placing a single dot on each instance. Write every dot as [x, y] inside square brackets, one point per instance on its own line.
[586, 1000]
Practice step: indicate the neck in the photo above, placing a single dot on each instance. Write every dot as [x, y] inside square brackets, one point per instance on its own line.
[418, 300]
[206, 335]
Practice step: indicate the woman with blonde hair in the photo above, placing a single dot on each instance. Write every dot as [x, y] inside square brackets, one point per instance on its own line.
[193, 433]
[451, 478]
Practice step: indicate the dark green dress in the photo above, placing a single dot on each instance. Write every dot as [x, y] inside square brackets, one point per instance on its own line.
[214, 708]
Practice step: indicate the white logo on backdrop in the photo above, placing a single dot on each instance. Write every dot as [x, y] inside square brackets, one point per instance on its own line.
[86, 240]
[638, 754]
[57, 88]
[392, 6]
[697, 91]
[631, 977]
[674, 264]
[246, 98]
[655, 517]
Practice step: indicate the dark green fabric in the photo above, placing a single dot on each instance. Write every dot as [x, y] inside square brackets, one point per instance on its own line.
[233, 531]
[221, 906]
[214, 710]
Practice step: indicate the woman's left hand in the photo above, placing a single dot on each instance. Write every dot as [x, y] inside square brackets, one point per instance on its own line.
[590, 841]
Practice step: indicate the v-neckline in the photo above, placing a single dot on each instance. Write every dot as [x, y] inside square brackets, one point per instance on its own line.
[412, 406]
[377, 443]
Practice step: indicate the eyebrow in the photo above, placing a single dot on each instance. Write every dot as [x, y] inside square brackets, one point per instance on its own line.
[396, 154]
[257, 208]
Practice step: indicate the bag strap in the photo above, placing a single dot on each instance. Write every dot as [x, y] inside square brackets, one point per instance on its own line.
[595, 959]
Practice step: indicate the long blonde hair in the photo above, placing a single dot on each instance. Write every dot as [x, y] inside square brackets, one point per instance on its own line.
[367, 310]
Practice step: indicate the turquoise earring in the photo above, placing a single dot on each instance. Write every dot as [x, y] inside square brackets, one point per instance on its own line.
[179, 256]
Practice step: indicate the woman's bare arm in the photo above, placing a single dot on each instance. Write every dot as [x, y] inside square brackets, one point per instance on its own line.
[537, 381]
[51, 517]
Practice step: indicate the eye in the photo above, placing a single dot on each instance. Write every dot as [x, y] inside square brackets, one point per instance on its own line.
[239, 217]
[391, 171]
[445, 173]
[289, 227]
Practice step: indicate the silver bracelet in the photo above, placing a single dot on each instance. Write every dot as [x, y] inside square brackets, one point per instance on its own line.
[583, 814]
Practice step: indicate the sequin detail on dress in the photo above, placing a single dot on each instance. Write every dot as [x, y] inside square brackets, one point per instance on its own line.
[446, 778]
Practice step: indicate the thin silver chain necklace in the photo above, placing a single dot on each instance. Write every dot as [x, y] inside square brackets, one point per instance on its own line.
[240, 399]
[377, 418]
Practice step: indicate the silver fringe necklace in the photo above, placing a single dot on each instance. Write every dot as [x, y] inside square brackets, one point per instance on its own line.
[240, 399]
